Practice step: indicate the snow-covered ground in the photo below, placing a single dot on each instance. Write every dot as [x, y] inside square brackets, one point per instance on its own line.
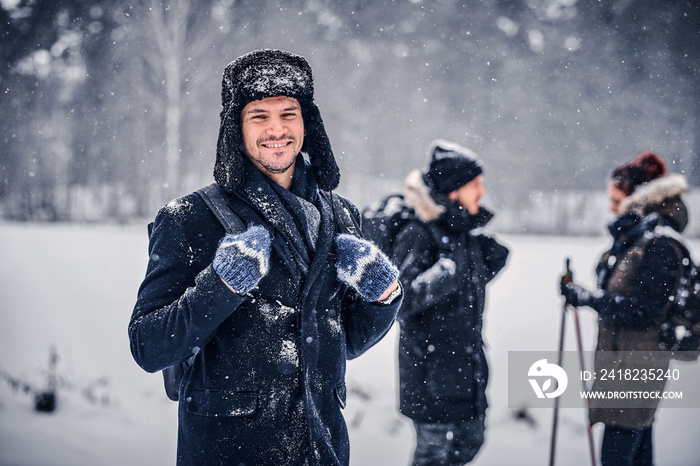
[73, 288]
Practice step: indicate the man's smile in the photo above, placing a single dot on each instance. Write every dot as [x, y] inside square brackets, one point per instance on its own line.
[276, 144]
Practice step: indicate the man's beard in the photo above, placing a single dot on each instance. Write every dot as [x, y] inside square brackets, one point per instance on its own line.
[274, 168]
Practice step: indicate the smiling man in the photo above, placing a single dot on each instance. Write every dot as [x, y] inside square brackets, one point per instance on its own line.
[270, 312]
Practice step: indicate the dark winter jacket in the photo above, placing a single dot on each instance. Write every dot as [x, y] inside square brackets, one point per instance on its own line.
[444, 266]
[267, 383]
[636, 278]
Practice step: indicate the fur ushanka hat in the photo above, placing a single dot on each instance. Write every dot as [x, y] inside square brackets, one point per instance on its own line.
[255, 76]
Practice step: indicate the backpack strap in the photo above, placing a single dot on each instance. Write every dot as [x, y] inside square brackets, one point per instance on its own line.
[215, 199]
[342, 215]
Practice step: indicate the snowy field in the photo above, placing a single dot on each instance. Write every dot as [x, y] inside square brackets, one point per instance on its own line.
[73, 287]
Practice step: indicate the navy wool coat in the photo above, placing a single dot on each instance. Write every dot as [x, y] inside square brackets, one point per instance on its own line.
[267, 383]
[442, 364]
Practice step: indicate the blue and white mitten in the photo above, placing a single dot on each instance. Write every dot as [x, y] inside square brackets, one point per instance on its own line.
[364, 267]
[243, 259]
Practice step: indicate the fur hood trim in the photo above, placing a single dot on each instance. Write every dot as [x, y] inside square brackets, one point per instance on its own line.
[654, 192]
[417, 196]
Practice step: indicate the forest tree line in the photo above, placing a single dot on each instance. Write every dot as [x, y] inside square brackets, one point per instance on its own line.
[111, 108]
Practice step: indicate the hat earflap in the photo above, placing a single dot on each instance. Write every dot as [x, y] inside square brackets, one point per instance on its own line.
[228, 168]
[318, 147]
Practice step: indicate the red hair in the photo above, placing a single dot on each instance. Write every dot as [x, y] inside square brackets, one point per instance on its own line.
[643, 168]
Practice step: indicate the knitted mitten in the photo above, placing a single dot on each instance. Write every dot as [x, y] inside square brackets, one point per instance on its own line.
[243, 259]
[363, 266]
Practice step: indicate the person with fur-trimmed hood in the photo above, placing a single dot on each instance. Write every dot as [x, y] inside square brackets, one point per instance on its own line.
[635, 278]
[272, 313]
[445, 263]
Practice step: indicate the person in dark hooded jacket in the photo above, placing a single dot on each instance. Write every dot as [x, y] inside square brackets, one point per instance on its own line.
[636, 277]
[445, 263]
[270, 314]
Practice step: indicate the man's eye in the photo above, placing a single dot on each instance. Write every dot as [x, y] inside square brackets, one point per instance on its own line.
[289, 115]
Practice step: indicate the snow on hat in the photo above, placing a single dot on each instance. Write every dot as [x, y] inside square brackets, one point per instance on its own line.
[643, 168]
[255, 76]
[451, 166]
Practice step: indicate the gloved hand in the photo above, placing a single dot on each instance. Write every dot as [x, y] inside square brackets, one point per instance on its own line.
[243, 259]
[568, 277]
[576, 295]
[363, 266]
[443, 267]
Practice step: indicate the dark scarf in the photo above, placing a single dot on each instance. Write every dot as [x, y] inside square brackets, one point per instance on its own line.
[628, 228]
[459, 220]
[292, 213]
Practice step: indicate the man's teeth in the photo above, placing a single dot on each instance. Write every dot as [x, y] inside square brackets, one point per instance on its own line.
[274, 146]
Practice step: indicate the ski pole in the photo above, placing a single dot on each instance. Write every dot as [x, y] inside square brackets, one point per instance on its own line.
[577, 324]
[591, 446]
[555, 420]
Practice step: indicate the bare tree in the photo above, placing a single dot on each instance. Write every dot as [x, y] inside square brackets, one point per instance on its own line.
[169, 30]
[175, 42]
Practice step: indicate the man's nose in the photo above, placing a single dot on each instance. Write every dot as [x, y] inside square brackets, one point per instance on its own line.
[276, 126]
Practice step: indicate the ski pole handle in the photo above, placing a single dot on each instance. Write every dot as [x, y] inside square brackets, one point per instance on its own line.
[569, 275]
